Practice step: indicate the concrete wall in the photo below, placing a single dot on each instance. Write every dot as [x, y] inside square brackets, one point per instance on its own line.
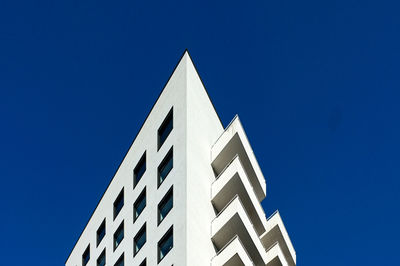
[203, 129]
[174, 95]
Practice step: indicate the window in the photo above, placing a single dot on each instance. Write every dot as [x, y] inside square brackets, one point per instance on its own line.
[143, 263]
[139, 170]
[119, 235]
[139, 240]
[119, 203]
[165, 167]
[120, 261]
[165, 244]
[165, 128]
[165, 205]
[86, 256]
[101, 260]
[139, 205]
[101, 232]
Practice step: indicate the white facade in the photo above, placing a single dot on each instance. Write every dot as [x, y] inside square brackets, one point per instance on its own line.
[217, 218]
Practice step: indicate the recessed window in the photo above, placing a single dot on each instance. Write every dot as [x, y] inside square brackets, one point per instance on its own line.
[165, 244]
[119, 203]
[86, 256]
[165, 128]
[119, 235]
[139, 240]
[165, 205]
[101, 232]
[165, 167]
[101, 260]
[143, 263]
[139, 205]
[139, 170]
[120, 261]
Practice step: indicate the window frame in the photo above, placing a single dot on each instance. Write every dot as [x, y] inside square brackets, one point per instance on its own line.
[103, 253]
[139, 198]
[141, 231]
[164, 200]
[143, 263]
[120, 195]
[103, 224]
[170, 232]
[120, 259]
[86, 252]
[164, 162]
[120, 227]
[169, 117]
[138, 167]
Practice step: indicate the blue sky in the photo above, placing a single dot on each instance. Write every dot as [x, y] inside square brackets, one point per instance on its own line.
[316, 84]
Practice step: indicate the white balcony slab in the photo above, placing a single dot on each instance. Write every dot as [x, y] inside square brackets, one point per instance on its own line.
[233, 254]
[275, 256]
[233, 220]
[232, 142]
[276, 232]
[234, 181]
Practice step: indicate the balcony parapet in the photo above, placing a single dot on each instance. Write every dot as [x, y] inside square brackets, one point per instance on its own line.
[232, 254]
[233, 181]
[275, 256]
[233, 141]
[276, 233]
[233, 220]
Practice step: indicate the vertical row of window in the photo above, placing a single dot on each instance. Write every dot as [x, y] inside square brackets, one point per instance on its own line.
[166, 242]
[166, 204]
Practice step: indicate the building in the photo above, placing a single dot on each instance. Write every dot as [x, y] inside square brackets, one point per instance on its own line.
[188, 192]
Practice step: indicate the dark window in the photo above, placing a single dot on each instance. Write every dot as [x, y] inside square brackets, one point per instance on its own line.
[119, 235]
[101, 232]
[165, 167]
[165, 205]
[165, 128]
[119, 203]
[165, 244]
[139, 205]
[139, 240]
[86, 256]
[101, 260]
[139, 170]
[143, 263]
[120, 261]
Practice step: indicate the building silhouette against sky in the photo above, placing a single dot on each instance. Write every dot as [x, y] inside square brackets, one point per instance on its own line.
[187, 192]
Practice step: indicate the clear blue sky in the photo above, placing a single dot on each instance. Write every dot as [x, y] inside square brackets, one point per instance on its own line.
[316, 84]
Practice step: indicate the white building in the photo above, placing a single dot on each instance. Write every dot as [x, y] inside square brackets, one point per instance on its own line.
[188, 192]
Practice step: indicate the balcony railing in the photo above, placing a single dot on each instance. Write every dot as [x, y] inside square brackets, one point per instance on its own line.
[232, 254]
[232, 181]
[276, 232]
[233, 141]
[233, 220]
[275, 256]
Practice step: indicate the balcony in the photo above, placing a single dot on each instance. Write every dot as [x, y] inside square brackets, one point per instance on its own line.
[232, 142]
[275, 256]
[233, 221]
[233, 181]
[276, 233]
[233, 254]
